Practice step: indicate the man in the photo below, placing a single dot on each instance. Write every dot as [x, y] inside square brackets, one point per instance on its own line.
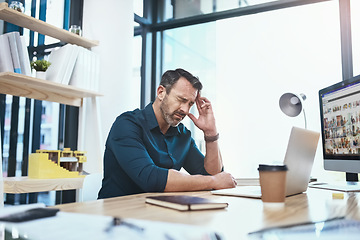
[146, 149]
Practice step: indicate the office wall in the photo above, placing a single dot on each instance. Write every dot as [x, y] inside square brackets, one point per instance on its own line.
[110, 22]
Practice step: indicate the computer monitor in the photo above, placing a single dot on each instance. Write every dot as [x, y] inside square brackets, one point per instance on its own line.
[340, 125]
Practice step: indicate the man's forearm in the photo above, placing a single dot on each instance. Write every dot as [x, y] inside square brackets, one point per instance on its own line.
[178, 181]
[213, 161]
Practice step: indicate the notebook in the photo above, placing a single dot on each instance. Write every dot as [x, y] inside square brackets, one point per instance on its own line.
[299, 158]
[184, 202]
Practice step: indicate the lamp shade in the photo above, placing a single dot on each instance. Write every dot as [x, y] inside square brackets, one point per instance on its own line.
[291, 104]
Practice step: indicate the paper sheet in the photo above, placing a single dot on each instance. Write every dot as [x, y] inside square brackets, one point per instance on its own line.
[333, 229]
[84, 226]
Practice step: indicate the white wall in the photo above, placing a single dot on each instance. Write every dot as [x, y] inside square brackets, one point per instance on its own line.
[111, 23]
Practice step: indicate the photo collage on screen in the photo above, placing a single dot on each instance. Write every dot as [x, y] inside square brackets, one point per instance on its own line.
[342, 125]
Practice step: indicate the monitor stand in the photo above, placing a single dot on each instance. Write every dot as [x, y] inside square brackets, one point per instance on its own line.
[351, 184]
[352, 177]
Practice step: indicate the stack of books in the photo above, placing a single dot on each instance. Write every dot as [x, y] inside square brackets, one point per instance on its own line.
[70, 64]
[14, 55]
[74, 65]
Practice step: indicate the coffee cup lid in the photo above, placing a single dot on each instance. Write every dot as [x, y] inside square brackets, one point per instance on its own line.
[264, 167]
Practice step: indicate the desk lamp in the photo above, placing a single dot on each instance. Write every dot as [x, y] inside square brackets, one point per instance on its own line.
[292, 105]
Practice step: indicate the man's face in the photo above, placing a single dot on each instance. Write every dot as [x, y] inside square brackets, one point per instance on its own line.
[176, 105]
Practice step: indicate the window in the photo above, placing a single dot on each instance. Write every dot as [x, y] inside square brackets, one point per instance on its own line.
[175, 9]
[246, 63]
[137, 49]
[139, 7]
[54, 16]
[355, 31]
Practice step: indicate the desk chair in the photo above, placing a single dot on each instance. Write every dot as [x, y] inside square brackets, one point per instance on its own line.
[91, 187]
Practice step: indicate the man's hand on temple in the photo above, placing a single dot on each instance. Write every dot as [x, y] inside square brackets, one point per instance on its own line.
[206, 119]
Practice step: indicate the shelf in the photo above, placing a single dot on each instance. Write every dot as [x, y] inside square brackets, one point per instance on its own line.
[25, 86]
[23, 20]
[28, 185]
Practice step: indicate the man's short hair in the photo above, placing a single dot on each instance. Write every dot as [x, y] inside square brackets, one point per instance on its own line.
[170, 77]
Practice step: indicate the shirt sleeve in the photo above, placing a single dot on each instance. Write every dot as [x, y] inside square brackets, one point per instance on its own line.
[125, 141]
[194, 163]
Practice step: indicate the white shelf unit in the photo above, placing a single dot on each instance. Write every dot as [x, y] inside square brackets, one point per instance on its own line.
[25, 86]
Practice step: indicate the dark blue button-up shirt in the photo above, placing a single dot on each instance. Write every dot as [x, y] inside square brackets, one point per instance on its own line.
[138, 155]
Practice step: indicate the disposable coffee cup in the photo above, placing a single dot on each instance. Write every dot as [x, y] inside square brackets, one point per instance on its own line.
[273, 183]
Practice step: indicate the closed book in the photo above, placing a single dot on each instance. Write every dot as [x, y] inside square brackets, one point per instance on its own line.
[94, 69]
[184, 202]
[86, 70]
[14, 51]
[77, 78]
[70, 64]
[23, 55]
[86, 80]
[59, 59]
[6, 64]
[97, 72]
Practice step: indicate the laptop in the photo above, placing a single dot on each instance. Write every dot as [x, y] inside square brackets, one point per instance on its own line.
[299, 158]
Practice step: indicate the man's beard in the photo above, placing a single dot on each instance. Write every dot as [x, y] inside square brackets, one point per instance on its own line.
[169, 117]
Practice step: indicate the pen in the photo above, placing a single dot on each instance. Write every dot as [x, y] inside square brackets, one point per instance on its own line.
[116, 221]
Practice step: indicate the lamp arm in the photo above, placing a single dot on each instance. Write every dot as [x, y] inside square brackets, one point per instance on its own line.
[305, 118]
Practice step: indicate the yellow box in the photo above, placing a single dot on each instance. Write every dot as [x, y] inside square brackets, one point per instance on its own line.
[338, 195]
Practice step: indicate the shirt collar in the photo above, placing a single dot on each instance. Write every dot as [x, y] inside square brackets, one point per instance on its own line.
[153, 123]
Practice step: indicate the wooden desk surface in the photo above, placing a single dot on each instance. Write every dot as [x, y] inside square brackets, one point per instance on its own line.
[242, 216]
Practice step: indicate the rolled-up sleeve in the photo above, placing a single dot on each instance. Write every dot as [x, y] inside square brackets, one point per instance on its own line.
[194, 163]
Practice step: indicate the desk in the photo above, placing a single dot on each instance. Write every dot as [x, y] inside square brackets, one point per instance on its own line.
[242, 216]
